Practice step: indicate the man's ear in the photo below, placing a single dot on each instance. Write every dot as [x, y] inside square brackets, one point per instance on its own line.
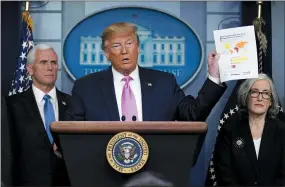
[106, 52]
[30, 69]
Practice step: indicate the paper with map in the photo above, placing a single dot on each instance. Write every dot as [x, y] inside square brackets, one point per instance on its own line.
[237, 47]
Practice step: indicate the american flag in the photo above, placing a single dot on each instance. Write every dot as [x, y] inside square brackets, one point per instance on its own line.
[22, 81]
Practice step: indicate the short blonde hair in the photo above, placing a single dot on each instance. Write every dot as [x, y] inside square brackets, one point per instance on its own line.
[117, 28]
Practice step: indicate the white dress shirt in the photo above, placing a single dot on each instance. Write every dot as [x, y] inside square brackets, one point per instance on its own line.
[257, 146]
[135, 85]
[40, 102]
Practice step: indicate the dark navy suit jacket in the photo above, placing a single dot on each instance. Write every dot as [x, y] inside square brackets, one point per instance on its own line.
[34, 162]
[93, 98]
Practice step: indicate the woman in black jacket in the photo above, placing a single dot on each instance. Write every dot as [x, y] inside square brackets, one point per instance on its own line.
[250, 150]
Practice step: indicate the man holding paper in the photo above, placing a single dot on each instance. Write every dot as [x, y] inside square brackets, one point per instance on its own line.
[155, 95]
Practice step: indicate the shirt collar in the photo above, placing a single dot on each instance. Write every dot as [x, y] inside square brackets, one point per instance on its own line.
[39, 94]
[117, 76]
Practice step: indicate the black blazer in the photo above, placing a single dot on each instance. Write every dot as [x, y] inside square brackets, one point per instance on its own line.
[94, 99]
[236, 162]
[6, 153]
[35, 163]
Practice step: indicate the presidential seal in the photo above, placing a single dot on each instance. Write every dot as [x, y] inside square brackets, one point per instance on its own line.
[127, 152]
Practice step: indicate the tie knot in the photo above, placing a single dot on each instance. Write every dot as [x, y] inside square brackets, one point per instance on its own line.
[127, 79]
[46, 97]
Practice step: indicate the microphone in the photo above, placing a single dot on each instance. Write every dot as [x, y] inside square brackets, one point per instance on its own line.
[134, 118]
[123, 118]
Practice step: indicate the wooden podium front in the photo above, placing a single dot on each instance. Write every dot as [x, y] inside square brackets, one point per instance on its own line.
[173, 149]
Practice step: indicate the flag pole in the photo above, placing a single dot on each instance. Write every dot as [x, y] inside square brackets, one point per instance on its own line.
[262, 40]
[27, 5]
[259, 3]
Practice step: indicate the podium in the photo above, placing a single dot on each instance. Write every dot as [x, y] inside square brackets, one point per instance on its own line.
[173, 150]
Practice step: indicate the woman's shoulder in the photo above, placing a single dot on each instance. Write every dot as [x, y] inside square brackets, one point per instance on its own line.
[234, 122]
[280, 125]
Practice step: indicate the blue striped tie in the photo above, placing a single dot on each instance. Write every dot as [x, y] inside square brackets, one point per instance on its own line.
[49, 116]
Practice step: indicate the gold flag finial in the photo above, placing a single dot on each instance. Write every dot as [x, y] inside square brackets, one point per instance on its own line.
[259, 3]
[27, 5]
[26, 16]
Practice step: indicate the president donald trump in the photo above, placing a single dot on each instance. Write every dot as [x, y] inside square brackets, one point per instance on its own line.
[127, 92]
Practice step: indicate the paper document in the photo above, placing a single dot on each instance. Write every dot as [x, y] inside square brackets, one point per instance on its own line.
[237, 47]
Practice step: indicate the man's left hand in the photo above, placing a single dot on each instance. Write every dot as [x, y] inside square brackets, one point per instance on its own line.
[56, 151]
[213, 64]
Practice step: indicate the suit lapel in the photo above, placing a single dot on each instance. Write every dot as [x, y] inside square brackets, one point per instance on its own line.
[109, 95]
[267, 142]
[32, 107]
[62, 106]
[147, 96]
[249, 145]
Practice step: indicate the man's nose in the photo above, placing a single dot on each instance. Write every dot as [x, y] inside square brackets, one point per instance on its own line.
[49, 66]
[124, 49]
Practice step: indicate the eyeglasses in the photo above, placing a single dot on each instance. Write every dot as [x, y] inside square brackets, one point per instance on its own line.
[255, 94]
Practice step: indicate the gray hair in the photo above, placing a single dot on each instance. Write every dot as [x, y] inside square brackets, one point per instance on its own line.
[244, 90]
[32, 54]
[148, 178]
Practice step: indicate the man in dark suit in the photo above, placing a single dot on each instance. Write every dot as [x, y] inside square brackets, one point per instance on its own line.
[6, 153]
[128, 92]
[37, 159]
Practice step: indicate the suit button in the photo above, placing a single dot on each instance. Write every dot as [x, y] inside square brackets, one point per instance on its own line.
[255, 183]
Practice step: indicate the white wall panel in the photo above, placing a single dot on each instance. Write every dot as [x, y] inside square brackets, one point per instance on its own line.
[223, 6]
[169, 7]
[58, 81]
[213, 22]
[47, 25]
[51, 5]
